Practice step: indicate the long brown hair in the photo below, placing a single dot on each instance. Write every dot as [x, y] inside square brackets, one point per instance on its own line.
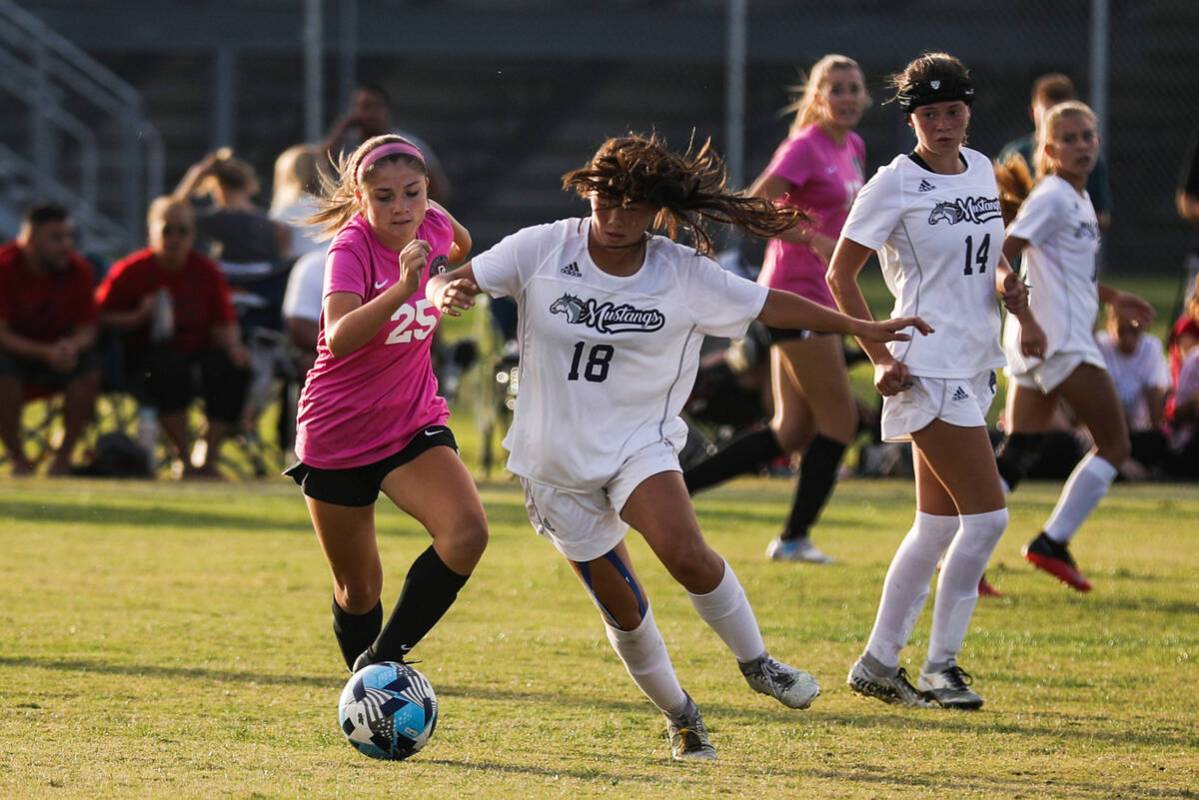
[689, 189]
[338, 199]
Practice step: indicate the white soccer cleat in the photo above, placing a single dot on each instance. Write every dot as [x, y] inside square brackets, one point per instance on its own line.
[781, 549]
[792, 687]
[950, 688]
[688, 735]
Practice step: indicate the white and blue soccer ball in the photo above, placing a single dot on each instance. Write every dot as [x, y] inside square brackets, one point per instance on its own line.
[388, 710]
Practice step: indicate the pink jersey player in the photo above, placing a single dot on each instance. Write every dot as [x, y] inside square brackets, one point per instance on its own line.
[370, 419]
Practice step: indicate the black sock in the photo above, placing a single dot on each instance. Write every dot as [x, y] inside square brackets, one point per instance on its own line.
[429, 590]
[1016, 456]
[747, 452]
[355, 632]
[817, 477]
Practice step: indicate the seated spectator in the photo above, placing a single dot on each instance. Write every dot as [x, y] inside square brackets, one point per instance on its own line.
[47, 331]
[293, 200]
[1184, 336]
[1137, 365]
[173, 306]
[302, 306]
[1184, 455]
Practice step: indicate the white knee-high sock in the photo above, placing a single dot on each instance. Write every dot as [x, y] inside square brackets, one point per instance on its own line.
[726, 609]
[957, 589]
[1084, 489]
[644, 655]
[906, 586]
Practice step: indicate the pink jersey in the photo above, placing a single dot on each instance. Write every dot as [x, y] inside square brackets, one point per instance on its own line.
[367, 405]
[824, 180]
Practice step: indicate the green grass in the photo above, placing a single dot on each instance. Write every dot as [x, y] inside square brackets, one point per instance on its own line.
[173, 639]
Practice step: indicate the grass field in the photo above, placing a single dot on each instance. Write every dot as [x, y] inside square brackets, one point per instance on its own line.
[165, 639]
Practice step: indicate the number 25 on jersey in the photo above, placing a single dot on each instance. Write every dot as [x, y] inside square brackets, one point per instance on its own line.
[416, 322]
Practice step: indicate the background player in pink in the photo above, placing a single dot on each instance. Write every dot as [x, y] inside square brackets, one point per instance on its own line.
[819, 170]
[370, 417]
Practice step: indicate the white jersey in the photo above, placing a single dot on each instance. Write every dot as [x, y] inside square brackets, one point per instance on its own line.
[1135, 374]
[939, 238]
[606, 362]
[1059, 265]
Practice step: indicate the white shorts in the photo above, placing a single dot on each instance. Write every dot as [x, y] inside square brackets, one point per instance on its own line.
[958, 401]
[586, 525]
[1049, 374]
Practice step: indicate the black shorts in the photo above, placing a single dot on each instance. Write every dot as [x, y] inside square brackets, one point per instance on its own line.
[778, 335]
[359, 486]
[169, 381]
[34, 372]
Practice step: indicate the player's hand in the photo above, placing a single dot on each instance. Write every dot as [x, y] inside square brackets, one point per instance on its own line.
[1032, 338]
[888, 330]
[456, 296]
[1014, 293]
[414, 258]
[1134, 309]
[891, 378]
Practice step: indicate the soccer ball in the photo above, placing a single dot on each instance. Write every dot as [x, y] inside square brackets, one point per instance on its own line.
[388, 710]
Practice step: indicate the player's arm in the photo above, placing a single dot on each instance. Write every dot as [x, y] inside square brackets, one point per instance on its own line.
[453, 292]
[784, 309]
[351, 323]
[460, 249]
[771, 187]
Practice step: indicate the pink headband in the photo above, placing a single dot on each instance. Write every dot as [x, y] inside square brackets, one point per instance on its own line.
[389, 149]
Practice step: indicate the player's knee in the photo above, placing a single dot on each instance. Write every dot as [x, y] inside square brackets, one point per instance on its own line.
[358, 594]
[466, 537]
[1115, 450]
[790, 436]
[696, 566]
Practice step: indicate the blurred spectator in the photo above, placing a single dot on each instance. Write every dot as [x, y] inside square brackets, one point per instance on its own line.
[1047, 91]
[1184, 336]
[1138, 367]
[47, 331]
[1187, 199]
[1184, 457]
[173, 305]
[370, 115]
[302, 306]
[297, 181]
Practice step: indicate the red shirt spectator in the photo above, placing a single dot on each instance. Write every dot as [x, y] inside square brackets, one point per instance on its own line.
[199, 294]
[44, 306]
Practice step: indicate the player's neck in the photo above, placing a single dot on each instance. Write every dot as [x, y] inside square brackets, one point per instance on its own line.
[949, 162]
[837, 133]
[1079, 182]
[619, 261]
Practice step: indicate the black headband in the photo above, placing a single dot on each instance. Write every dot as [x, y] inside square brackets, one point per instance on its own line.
[937, 90]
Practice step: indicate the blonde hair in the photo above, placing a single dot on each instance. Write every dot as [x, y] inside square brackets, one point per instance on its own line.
[161, 206]
[806, 107]
[1192, 304]
[1049, 123]
[295, 175]
[338, 199]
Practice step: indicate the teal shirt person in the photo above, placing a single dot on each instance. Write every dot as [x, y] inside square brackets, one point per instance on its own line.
[1098, 186]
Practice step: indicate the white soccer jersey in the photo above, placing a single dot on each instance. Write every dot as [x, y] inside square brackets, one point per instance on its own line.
[606, 362]
[939, 238]
[1059, 265]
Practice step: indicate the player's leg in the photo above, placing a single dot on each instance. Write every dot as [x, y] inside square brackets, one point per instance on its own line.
[815, 367]
[12, 401]
[347, 535]
[751, 451]
[661, 510]
[633, 633]
[78, 409]
[962, 460]
[1029, 416]
[436, 489]
[877, 673]
[1092, 395]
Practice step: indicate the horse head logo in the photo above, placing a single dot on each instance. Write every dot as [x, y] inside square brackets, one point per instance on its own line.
[949, 212]
[569, 305]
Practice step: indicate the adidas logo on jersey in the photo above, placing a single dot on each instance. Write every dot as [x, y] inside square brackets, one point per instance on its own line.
[960, 394]
[571, 269]
[925, 186]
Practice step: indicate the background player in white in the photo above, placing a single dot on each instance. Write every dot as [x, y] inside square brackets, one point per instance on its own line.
[933, 216]
[611, 320]
[1057, 231]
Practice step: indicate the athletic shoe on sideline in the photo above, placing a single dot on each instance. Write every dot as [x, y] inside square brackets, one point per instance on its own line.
[896, 689]
[950, 688]
[688, 735]
[792, 687]
[1054, 558]
[985, 589]
[781, 549]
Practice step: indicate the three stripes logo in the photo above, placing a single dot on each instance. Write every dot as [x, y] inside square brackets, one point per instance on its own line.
[571, 270]
[925, 186]
[960, 394]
